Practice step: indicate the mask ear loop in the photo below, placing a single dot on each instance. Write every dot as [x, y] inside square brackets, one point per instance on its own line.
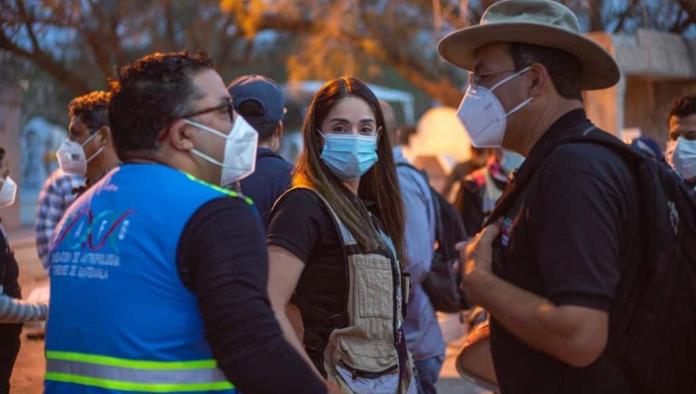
[511, 77]
[520, 106]
[100, 150]
[95, 154]
[90, 138]
[515, 75]
[206, 128]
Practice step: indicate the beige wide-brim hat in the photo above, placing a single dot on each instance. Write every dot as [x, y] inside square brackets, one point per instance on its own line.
[539, 22]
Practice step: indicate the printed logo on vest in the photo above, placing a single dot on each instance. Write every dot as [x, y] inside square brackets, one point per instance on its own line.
[89, 244]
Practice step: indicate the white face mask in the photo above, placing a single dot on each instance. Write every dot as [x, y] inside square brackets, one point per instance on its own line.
[239, 159]
[8, 192]
[71, 156]
[684, 158]
[483, 116]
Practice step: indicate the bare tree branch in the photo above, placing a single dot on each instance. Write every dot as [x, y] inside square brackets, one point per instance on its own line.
[226, 41]
[70, 80]
[389, 52]
[678, 21]
[624, 15]
[28, 25]
[169, 14]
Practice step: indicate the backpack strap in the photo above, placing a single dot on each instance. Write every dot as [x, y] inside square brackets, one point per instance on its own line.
[346, 237]
[518, 185]
[596, 136]
[349, 245]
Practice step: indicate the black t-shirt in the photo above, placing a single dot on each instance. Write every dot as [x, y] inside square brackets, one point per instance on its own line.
[271, 178]
[577, 222]
[302, 225]
[9, 333]
[222, 258]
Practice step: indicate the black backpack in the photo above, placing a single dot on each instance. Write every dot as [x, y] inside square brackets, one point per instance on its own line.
[652, 325]
[653, 328]
[442, 282]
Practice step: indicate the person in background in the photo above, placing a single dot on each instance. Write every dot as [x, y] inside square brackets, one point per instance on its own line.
[423, 335]
[336, 244]
[173, 272]
[681, 147]
[89, 150]
[649, 147]
[478, 159]
[479, 191]
[260, 101]
[57, 193]
[13, 311]
[84, 157]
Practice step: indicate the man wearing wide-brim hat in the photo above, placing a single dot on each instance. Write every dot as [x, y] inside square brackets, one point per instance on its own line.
[548, 268]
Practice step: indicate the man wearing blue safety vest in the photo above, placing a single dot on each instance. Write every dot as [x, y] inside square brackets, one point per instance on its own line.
[168, 271]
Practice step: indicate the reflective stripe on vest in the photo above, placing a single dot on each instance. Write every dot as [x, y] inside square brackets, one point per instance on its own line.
[135, 375]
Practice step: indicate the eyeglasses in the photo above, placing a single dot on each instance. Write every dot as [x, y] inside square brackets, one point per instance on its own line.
[228, 105]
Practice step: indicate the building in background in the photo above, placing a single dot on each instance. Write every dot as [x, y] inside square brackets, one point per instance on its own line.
[655, 68]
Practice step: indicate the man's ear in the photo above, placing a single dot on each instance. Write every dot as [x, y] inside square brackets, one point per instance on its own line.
[279, 130]
[105, 136]
[179, 136]
[540, 80]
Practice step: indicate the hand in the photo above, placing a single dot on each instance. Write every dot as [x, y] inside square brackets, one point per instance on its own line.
[476, 257]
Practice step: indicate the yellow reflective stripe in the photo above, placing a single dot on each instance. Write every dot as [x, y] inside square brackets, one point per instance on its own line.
[129, 363]
[230, 193]
[135, 386]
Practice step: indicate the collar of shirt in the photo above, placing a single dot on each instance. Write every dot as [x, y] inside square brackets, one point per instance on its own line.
[564, 127]
[560, 130]
[262, 151]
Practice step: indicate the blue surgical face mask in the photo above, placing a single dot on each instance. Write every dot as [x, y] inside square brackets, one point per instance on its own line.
[684, 158]
[511, 161]
[349, 156]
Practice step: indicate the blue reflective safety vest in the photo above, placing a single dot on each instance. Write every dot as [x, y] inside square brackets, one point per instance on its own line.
[121, 320]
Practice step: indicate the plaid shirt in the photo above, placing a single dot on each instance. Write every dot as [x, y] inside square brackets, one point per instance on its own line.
[56, 195]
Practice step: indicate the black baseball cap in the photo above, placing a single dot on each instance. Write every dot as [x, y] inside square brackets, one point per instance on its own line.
[264, 91]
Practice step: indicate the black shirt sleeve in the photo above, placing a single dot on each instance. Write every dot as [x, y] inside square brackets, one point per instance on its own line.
[223, 259]
[298, 223]
[9, 269]
[580, 211]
